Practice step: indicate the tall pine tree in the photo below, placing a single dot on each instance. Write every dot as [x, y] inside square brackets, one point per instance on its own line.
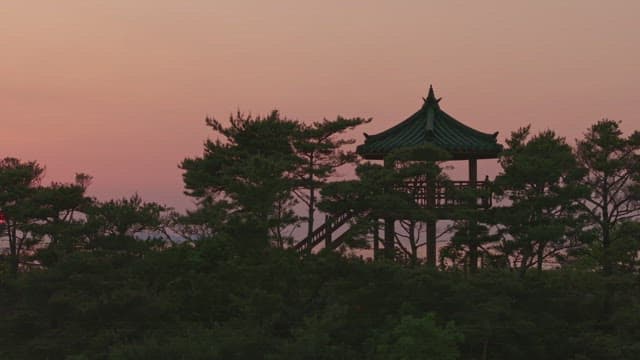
[613, 164]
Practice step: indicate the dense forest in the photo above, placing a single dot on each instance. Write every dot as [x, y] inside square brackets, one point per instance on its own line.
[550, 271]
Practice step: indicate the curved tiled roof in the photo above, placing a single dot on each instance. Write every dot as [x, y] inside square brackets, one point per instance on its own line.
[431, 125]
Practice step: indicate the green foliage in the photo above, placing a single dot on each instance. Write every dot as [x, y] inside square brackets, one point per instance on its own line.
[99, 291]
[419, 338]
[19, 182]
[540, 179]
[624, 250]
[125, 217]
[248, 172]
[38, 215]
[261, 167]
[613, 165]
[387, 192]
[212, 299]
[470, 236]
[321, 152]
[201, 223]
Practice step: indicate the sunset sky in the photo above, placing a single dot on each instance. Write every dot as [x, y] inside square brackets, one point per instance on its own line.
[119, 89]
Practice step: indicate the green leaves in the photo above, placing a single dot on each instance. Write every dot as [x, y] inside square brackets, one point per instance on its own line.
[125, 217]
[320, 148]
[613, 165]
[211, 299]
[419, 338]
[36, 213]
[540, 181]
[249, 170]
[260, 167]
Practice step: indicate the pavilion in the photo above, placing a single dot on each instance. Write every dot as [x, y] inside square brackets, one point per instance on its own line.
[430, 126]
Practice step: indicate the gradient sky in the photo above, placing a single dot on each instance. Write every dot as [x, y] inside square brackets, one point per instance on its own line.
[120, 88]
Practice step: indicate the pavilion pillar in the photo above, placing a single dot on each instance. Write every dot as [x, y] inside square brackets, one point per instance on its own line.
[473, 171]
[431, 224]
[473, 241]
[389, 227]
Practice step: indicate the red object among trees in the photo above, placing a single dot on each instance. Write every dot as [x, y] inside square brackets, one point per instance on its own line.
[3, 218]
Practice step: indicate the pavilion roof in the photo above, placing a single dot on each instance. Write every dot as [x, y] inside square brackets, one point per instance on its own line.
[432, 126]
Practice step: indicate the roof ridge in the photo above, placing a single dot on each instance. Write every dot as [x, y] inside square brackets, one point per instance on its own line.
[458, 122]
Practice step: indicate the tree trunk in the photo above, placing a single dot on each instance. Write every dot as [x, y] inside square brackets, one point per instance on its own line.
[13, 249]
[389, 238]
[473, 256]
[431, 243]
[412, 241]
[523, 263]
[540, 256]
[312, 206]
[376, 240]
[606, 241]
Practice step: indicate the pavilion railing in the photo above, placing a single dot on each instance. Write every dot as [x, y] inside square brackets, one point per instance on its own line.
[428, 194]
[444, 194]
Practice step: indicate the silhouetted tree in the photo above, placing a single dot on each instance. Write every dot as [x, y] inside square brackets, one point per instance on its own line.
[19, 182]
[126, 216]
[624, 250]
[613, 165]
[540, 180]
[321, 149]
[249, 172]
[38, 216]
[200, 223]
[62, 218]
[470, 242]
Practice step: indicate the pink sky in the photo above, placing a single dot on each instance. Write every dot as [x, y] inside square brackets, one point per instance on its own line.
[120, 88]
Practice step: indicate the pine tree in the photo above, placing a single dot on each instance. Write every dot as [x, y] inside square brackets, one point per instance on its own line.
[321, 150]
[539, 178]
[248, 170]
[613, 165]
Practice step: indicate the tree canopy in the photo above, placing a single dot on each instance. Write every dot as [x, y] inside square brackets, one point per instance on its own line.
[88, 278]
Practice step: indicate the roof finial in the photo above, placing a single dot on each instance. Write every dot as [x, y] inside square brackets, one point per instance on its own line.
[431, 97]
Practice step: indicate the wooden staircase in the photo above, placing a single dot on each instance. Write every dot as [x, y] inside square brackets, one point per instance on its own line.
[324, 233]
